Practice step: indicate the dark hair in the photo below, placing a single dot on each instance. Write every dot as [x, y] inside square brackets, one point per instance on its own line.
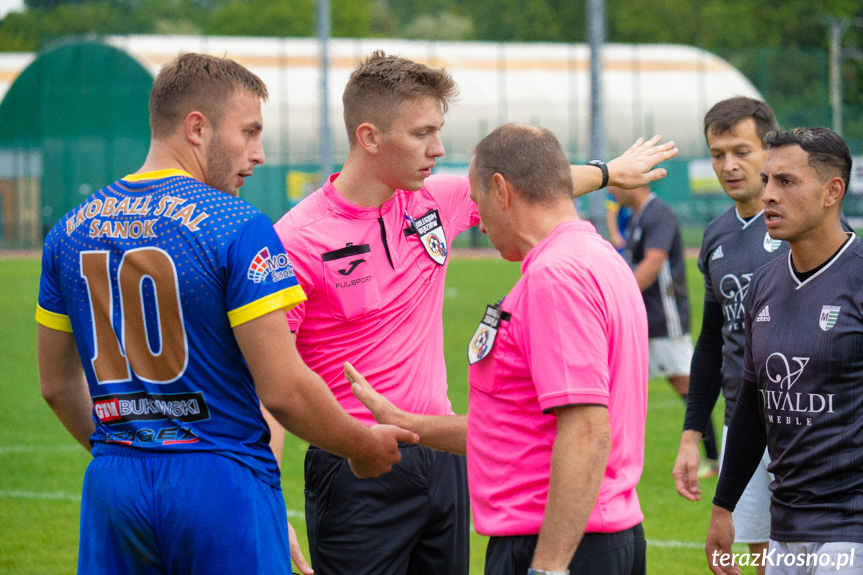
[828, 152]
[529, 157]
[199, 82]
[726, 114]
[381, 84]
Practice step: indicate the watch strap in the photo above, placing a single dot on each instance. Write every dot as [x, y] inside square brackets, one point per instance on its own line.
[602, 166]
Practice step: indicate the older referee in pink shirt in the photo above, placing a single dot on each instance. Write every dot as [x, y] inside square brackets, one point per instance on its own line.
[558, 378]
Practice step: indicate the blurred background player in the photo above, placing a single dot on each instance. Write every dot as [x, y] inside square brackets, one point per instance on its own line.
[161, 324]
[654, 250]
[734, 246]
[616, 220]
[555, 439]
[803, 363]
[367, 249]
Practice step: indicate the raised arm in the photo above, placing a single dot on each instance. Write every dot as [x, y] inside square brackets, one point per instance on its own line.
[635, 167]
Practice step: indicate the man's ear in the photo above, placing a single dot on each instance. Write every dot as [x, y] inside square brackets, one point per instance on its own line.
[196, 126]
[368, 137]
[835, 191]
[502, 191]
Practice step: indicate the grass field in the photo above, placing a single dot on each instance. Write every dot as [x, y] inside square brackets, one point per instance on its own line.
[41, 466]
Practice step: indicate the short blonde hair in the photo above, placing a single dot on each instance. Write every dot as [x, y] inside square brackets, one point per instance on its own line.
[382, 83]
[199, 82]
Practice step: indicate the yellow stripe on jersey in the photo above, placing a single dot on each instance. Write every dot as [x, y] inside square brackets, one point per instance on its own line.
[56, 321]
[156, 175]
[285, 299]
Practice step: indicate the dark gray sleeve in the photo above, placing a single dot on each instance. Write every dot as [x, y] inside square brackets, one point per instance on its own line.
[659, 227]
[744, 446]
[747, 436]
[705, 373]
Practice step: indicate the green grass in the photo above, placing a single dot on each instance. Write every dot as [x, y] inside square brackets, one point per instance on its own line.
[41, 466]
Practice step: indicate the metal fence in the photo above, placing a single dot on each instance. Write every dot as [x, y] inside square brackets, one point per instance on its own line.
[76, 119]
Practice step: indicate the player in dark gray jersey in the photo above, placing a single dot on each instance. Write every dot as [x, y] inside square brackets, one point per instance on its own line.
[803, 365]
[735, 244]
[654, 227]
[654, 249]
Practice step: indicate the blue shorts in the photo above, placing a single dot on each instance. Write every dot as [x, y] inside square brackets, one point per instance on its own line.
[147, 513]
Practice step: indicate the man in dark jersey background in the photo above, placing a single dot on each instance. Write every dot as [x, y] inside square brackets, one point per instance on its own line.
[803, 363]
[162, 296]
[654, 250]
[734, 246]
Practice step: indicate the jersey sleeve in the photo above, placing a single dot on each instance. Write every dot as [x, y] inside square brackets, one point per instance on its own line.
[567, 339]
[704, 267]
[658, 229]
[705, 374]
[452, 193]
[260, 276]
[51, 307]
[296, 249]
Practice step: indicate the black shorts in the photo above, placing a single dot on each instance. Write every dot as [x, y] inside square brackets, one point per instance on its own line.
[414, 520]
[620, 553]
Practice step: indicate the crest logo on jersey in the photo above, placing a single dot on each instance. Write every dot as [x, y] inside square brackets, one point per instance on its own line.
[266, 268]
[771, 245]
[430, 232]
[717, 253]
[483, 338]
[779, 370]
[828, 317]
[764, 314]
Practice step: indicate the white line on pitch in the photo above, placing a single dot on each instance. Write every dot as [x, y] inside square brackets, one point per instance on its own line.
[42, 495]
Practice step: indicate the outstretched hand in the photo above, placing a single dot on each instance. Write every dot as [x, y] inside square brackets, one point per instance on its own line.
[382, 409]
[637, 165]
[387, 437]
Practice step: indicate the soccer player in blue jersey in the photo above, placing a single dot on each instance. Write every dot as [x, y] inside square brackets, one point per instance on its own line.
[162, 330]
[802, 368]
[735, 244]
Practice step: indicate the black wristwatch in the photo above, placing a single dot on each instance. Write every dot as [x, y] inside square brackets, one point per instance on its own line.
[601, 165]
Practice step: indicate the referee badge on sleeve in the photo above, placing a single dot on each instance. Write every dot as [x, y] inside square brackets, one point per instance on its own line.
[482, 341]
[430, 232]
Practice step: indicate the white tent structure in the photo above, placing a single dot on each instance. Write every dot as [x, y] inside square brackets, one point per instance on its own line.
[649, 89]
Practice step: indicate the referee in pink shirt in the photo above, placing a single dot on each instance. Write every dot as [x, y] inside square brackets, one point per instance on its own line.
[371, 249]
[558, 378]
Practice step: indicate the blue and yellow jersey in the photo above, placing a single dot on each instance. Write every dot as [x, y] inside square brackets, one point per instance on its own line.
[150, 275]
